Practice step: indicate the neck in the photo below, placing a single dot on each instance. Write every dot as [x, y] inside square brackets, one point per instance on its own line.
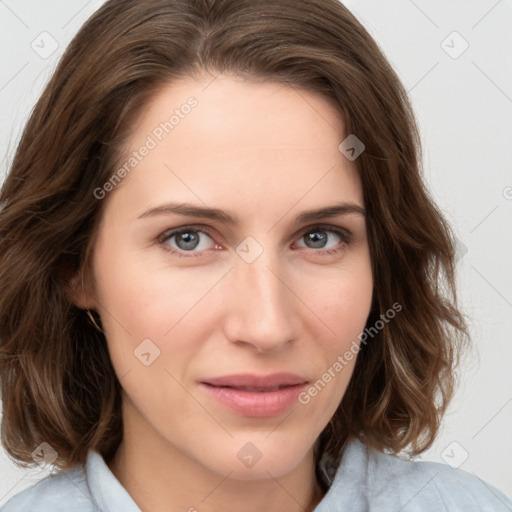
[166, 487]
[171, 481]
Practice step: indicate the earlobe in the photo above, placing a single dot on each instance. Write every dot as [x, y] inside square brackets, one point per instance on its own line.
[76, 293]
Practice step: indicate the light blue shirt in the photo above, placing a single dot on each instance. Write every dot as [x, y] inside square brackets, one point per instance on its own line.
[366, 481]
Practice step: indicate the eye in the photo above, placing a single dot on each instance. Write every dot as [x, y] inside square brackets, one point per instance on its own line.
[318, 238]
[186, 239]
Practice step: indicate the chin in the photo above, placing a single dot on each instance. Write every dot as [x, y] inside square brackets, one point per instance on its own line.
[258, 456]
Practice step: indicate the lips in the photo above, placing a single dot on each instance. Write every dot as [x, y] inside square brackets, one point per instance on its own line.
[250, 382]
[256, 396]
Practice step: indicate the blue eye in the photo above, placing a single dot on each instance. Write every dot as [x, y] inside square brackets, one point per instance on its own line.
[319, 236]
[190, 240]
[186, 239]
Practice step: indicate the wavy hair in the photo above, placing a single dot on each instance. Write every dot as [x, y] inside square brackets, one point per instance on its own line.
[57, 381]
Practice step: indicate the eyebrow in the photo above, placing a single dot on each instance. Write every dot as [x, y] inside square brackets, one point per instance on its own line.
[215, 214]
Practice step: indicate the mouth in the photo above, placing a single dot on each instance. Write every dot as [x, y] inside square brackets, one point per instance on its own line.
[251, 382]
[255, 396]
[249, 388]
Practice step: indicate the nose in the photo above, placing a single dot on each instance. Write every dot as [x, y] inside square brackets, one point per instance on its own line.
[261, 308]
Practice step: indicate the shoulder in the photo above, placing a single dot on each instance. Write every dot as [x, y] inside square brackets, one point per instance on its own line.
[422, 485]
[54, 493]
[383, 482]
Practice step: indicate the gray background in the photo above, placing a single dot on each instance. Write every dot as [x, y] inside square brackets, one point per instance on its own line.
[463, 101]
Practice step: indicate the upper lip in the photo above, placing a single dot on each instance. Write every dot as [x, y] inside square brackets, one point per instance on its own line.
[257, 381]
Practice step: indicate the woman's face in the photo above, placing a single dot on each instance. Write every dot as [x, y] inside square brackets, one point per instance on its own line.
[227, 338]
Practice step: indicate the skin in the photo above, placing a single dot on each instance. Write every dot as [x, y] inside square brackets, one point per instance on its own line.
[263, 152]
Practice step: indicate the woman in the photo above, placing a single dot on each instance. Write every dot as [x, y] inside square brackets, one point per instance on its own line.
[225, 285]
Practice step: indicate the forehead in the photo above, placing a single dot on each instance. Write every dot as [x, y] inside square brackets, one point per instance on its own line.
[238, 143]
[231, 109]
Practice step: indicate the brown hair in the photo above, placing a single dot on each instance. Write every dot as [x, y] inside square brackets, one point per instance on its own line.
[58, 384]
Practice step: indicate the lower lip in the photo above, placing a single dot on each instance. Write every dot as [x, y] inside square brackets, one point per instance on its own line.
[256, 404]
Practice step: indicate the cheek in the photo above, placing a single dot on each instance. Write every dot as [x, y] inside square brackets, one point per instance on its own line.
[145, 297]
[140, 301]
[341, 301]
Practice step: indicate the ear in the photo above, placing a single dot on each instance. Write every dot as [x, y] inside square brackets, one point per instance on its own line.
[80, 297]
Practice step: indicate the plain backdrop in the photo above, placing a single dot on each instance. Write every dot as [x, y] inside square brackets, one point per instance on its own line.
[454, 59]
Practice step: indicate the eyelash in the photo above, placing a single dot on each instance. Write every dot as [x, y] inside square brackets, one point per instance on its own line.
[345, 235]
